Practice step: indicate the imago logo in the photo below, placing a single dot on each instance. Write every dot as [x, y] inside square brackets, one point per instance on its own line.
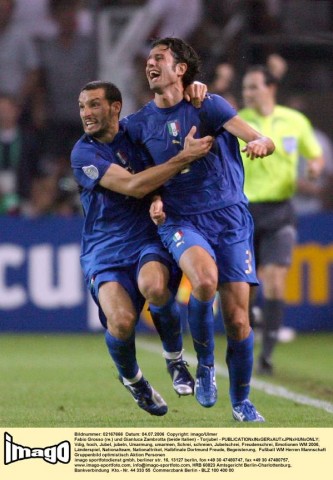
[56, 453]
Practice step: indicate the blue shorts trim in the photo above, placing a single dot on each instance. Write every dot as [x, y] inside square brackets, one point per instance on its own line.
[154, 252]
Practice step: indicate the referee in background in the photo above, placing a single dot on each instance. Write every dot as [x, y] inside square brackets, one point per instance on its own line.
[270, 183]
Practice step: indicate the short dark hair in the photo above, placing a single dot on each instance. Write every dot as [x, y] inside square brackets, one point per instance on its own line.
[182, 53]
[111, 91]
[269, 78]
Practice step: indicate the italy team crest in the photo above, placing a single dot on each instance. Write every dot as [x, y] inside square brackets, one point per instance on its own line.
[178, 238]
[174, 128]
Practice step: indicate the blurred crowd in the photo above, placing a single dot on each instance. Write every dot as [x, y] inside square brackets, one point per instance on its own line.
[50, 48]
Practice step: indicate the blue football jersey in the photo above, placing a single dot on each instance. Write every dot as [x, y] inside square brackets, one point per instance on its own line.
[116, 227]
[211, 183]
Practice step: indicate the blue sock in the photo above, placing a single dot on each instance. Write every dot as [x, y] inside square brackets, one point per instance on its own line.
[240, 362]
[201, 323]
[168, 325]
[123, 354]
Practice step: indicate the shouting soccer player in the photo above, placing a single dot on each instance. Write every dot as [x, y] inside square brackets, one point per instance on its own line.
[122, 257]
[207, 228]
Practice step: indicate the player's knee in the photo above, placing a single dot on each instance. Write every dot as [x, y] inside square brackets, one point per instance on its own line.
[121, 324]
[155, 292]
[204, 288]
[237, 323]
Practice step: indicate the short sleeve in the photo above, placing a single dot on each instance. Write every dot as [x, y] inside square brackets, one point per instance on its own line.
[216, 111]
[89, 166]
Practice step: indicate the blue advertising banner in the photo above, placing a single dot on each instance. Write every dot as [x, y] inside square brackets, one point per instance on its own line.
[41, 284]
[309, 292]
[42, 287]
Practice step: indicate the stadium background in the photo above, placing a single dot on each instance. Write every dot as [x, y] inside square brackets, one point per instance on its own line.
[41, 286]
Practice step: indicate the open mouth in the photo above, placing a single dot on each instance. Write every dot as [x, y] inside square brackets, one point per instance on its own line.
[153, 75]
[90, 124]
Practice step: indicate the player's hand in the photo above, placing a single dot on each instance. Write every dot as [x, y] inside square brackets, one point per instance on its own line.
[197, 147]
[156, 211]
[259, 148]
[195, 93]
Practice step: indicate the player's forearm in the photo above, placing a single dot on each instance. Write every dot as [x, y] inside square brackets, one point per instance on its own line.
[257, 144]
[149, 180]
[194, 148]
[140, 184]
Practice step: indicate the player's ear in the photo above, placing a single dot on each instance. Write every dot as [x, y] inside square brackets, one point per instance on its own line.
[116, 107]
[181, 68]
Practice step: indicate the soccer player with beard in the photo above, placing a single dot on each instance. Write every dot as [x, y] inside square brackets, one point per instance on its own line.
[207, 226]
[122, 257]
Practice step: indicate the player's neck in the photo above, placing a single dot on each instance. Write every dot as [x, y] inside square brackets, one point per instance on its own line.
[169, 97]
[109, 136]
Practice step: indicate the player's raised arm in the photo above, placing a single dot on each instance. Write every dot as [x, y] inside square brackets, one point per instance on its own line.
[256, 144]
[138, 185]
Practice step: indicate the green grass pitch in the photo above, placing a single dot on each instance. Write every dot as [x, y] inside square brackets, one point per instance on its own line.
[70, 381]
